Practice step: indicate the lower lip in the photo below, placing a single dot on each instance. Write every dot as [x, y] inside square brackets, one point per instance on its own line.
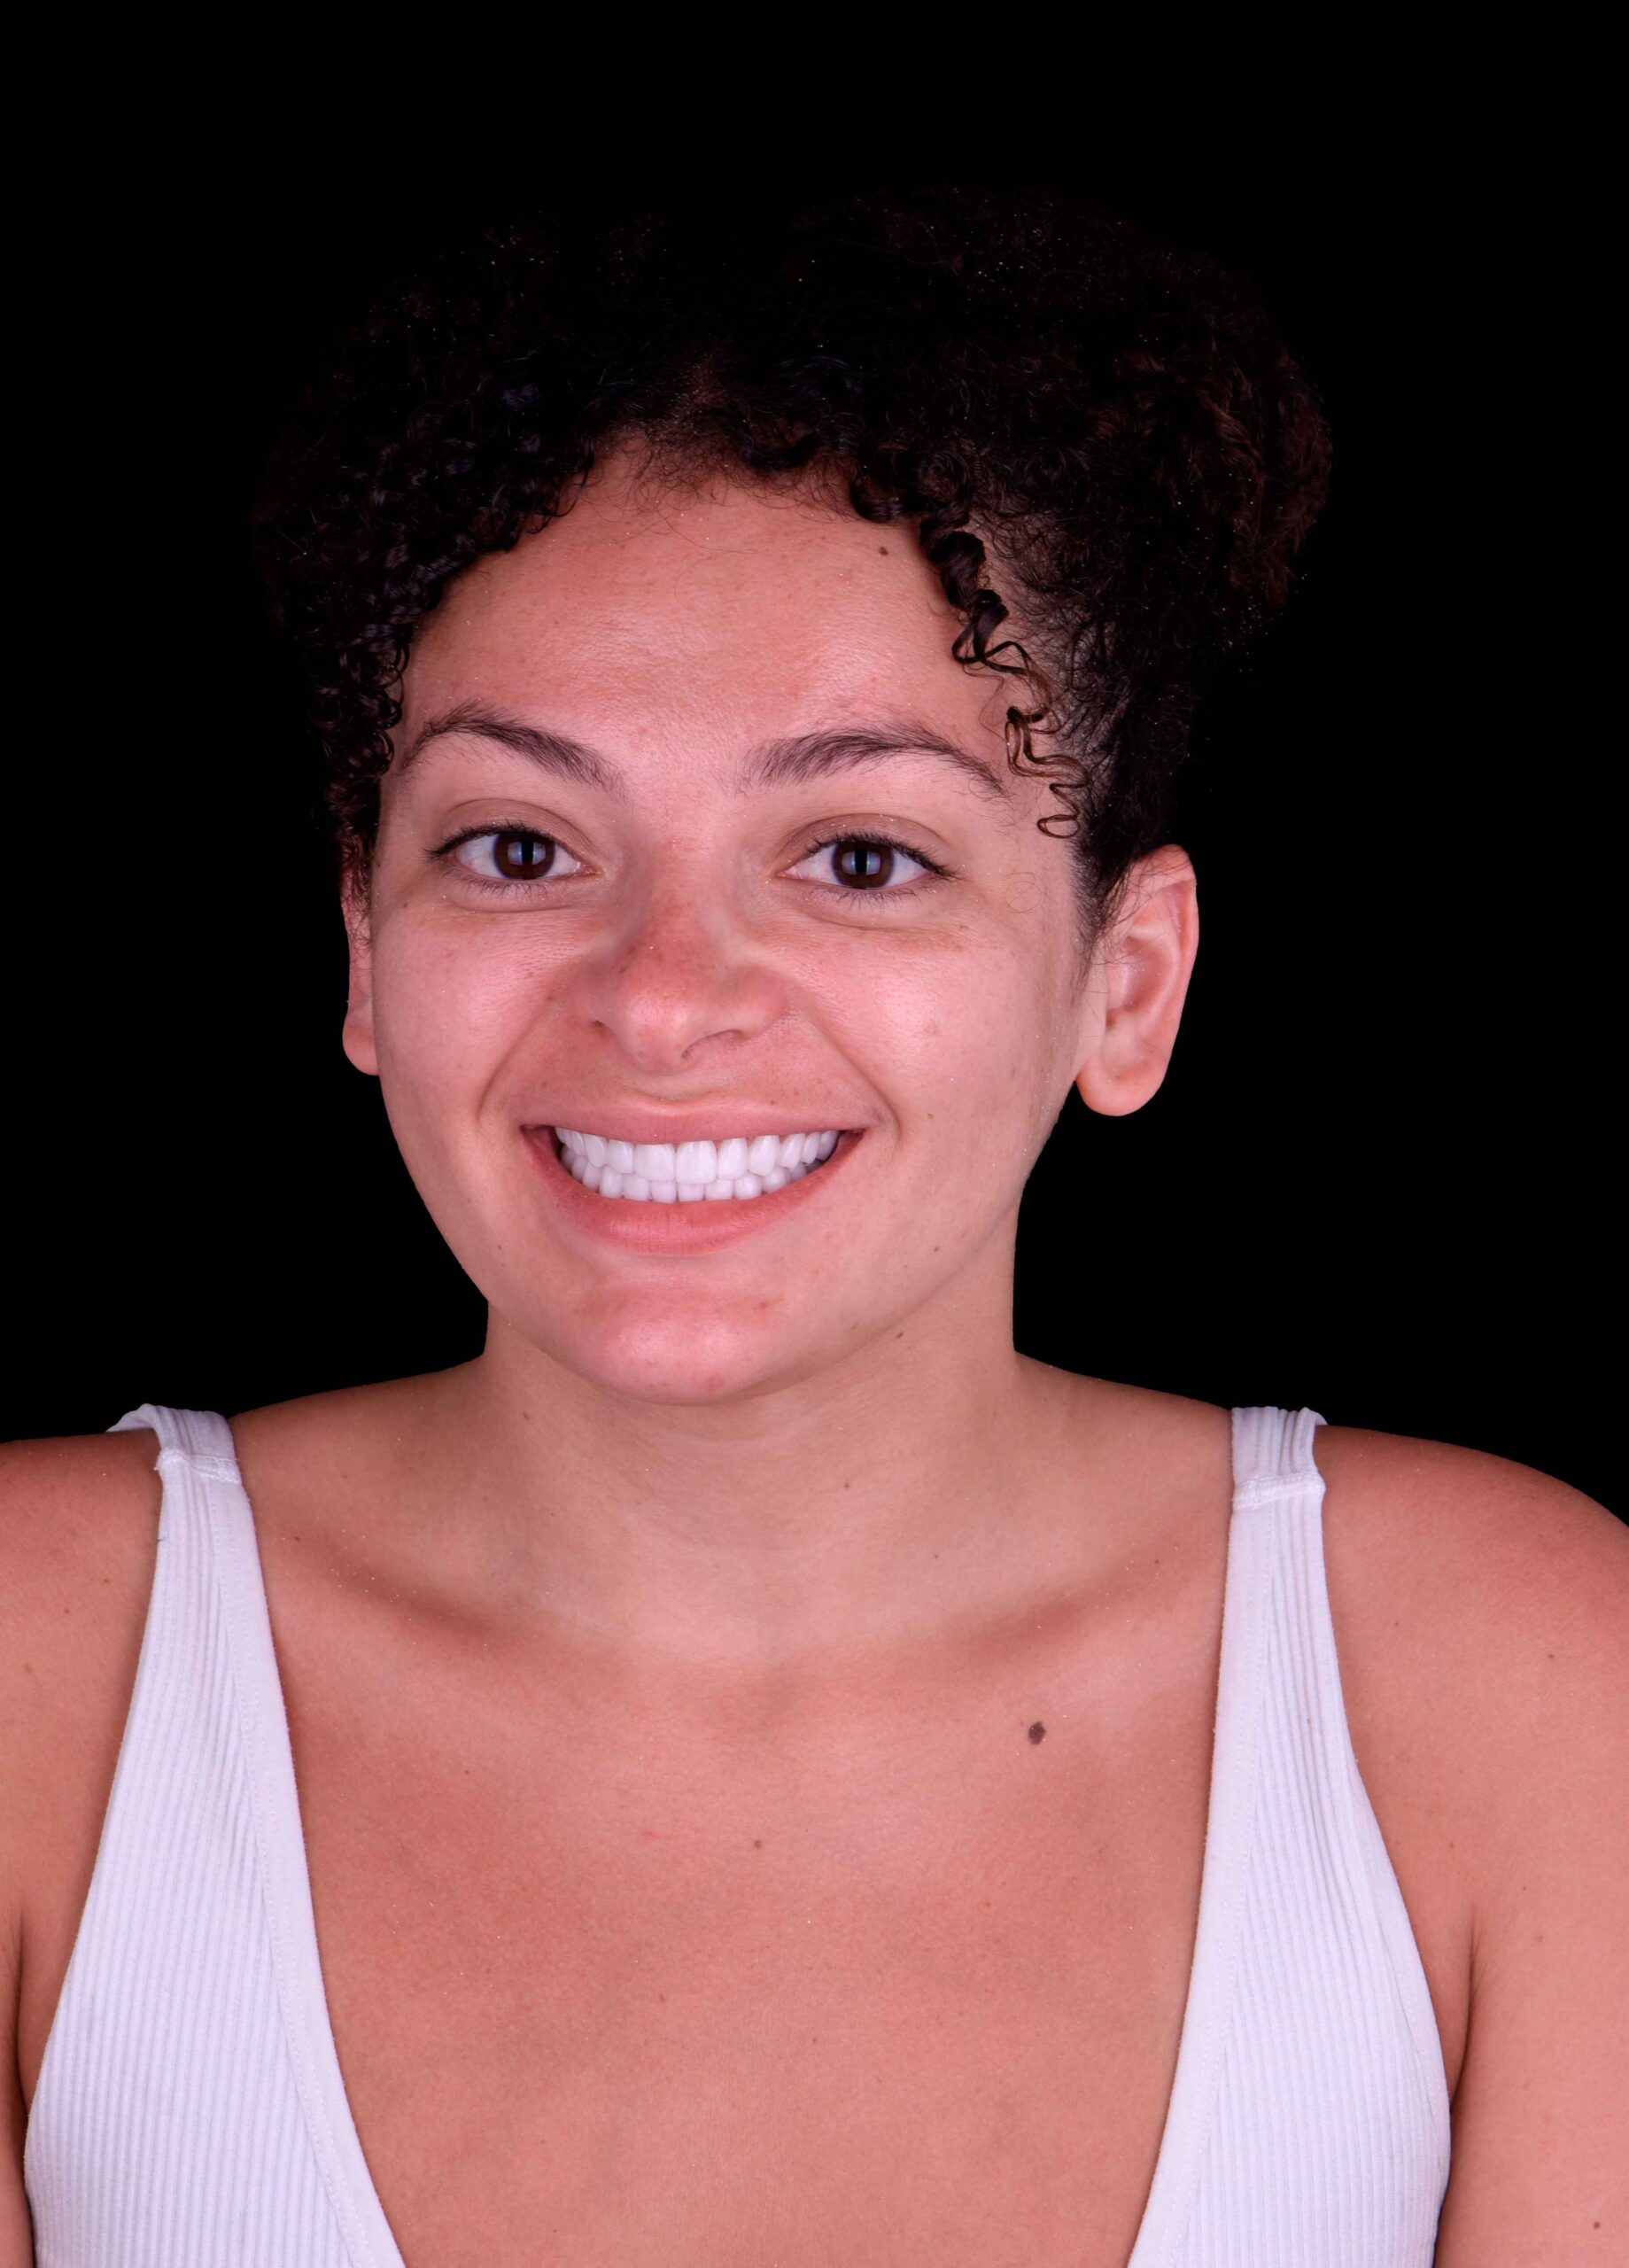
[701, 1225]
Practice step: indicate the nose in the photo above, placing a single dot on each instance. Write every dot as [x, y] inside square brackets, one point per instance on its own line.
[678, 974]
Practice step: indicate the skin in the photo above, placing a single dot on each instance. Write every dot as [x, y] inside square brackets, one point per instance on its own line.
[786, 1452]
[672, 1496]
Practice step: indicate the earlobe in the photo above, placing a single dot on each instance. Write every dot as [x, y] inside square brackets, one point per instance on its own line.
[1139, 983]
[356, 1033]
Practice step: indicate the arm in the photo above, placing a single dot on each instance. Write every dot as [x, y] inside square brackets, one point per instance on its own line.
[1540, 2174]
[16, 2223]
[78, 1520]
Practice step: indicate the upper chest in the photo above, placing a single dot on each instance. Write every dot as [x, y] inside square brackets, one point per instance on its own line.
[605, 1989]
[728, 1996]
[733, 1996]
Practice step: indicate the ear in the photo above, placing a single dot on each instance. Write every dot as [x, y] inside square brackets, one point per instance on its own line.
[1138, 983]
[356, 1036]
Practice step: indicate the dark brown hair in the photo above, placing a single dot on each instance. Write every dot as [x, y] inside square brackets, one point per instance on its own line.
[1112, 428]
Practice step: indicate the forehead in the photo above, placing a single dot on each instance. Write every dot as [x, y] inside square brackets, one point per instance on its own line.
[744, 606]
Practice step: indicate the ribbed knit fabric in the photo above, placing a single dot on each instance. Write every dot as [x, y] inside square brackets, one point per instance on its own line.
[190, 2112]
[1308, 2123]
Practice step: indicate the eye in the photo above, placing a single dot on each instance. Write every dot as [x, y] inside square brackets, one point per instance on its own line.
[523, 857]
[870, 865]
[866, 865]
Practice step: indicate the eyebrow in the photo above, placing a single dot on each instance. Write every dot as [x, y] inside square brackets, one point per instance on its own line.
[786, 762]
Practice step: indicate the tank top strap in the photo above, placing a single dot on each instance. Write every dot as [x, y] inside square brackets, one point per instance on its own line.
[1301, 1924]
[1272, 1465]
[208, 1565]
[207, 1746]
[1280, 1474]
[1272, 1453]
[201, 1436]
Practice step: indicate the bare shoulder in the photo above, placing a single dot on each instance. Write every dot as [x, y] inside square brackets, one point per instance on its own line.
[1497, 1598]
[1520, 1574]
[1494, 1596]
[78, 1518]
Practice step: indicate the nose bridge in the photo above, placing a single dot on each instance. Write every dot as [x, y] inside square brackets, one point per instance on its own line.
[683, 966]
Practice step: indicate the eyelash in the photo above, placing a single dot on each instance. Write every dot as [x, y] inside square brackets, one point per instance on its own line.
[935, 874]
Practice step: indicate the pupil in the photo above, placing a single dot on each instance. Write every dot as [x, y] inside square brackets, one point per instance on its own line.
[871, 855]
[529, 869]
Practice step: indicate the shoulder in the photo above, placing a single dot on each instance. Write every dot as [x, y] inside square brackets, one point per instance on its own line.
[78, 1537]
[1495, 1595]
[79, 1517]
[1493, 1605]
[78, 1511]
[1519, 1574]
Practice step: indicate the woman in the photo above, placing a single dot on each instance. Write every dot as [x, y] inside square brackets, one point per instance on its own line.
[751, 1769]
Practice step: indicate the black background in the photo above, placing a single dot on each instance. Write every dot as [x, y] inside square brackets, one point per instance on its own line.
[1376, 1178]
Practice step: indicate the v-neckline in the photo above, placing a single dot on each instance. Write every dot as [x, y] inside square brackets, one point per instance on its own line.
[303, 1995]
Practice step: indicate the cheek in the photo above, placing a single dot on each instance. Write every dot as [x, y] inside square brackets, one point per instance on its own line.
[956, 1046]
[446, 1019]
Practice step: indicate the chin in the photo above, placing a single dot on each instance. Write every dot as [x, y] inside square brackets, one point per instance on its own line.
[685, 1360]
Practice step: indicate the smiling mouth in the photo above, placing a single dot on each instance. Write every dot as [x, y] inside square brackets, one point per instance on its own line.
[693, 1173]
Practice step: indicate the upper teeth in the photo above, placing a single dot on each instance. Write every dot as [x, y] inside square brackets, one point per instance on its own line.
[693, 1170]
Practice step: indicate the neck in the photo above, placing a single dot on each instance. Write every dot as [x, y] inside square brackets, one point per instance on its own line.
[892, 1500]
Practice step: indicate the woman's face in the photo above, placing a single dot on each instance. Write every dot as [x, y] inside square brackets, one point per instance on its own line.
[688, 947]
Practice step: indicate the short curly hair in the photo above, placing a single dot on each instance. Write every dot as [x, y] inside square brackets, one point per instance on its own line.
[1119, 422]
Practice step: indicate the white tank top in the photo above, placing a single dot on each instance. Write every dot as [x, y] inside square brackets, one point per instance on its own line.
[190, 2112]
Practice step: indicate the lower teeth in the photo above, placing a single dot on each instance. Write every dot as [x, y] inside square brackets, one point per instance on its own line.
[682, 1192]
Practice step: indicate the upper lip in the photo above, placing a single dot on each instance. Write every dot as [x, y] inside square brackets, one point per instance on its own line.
[730, 1119]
